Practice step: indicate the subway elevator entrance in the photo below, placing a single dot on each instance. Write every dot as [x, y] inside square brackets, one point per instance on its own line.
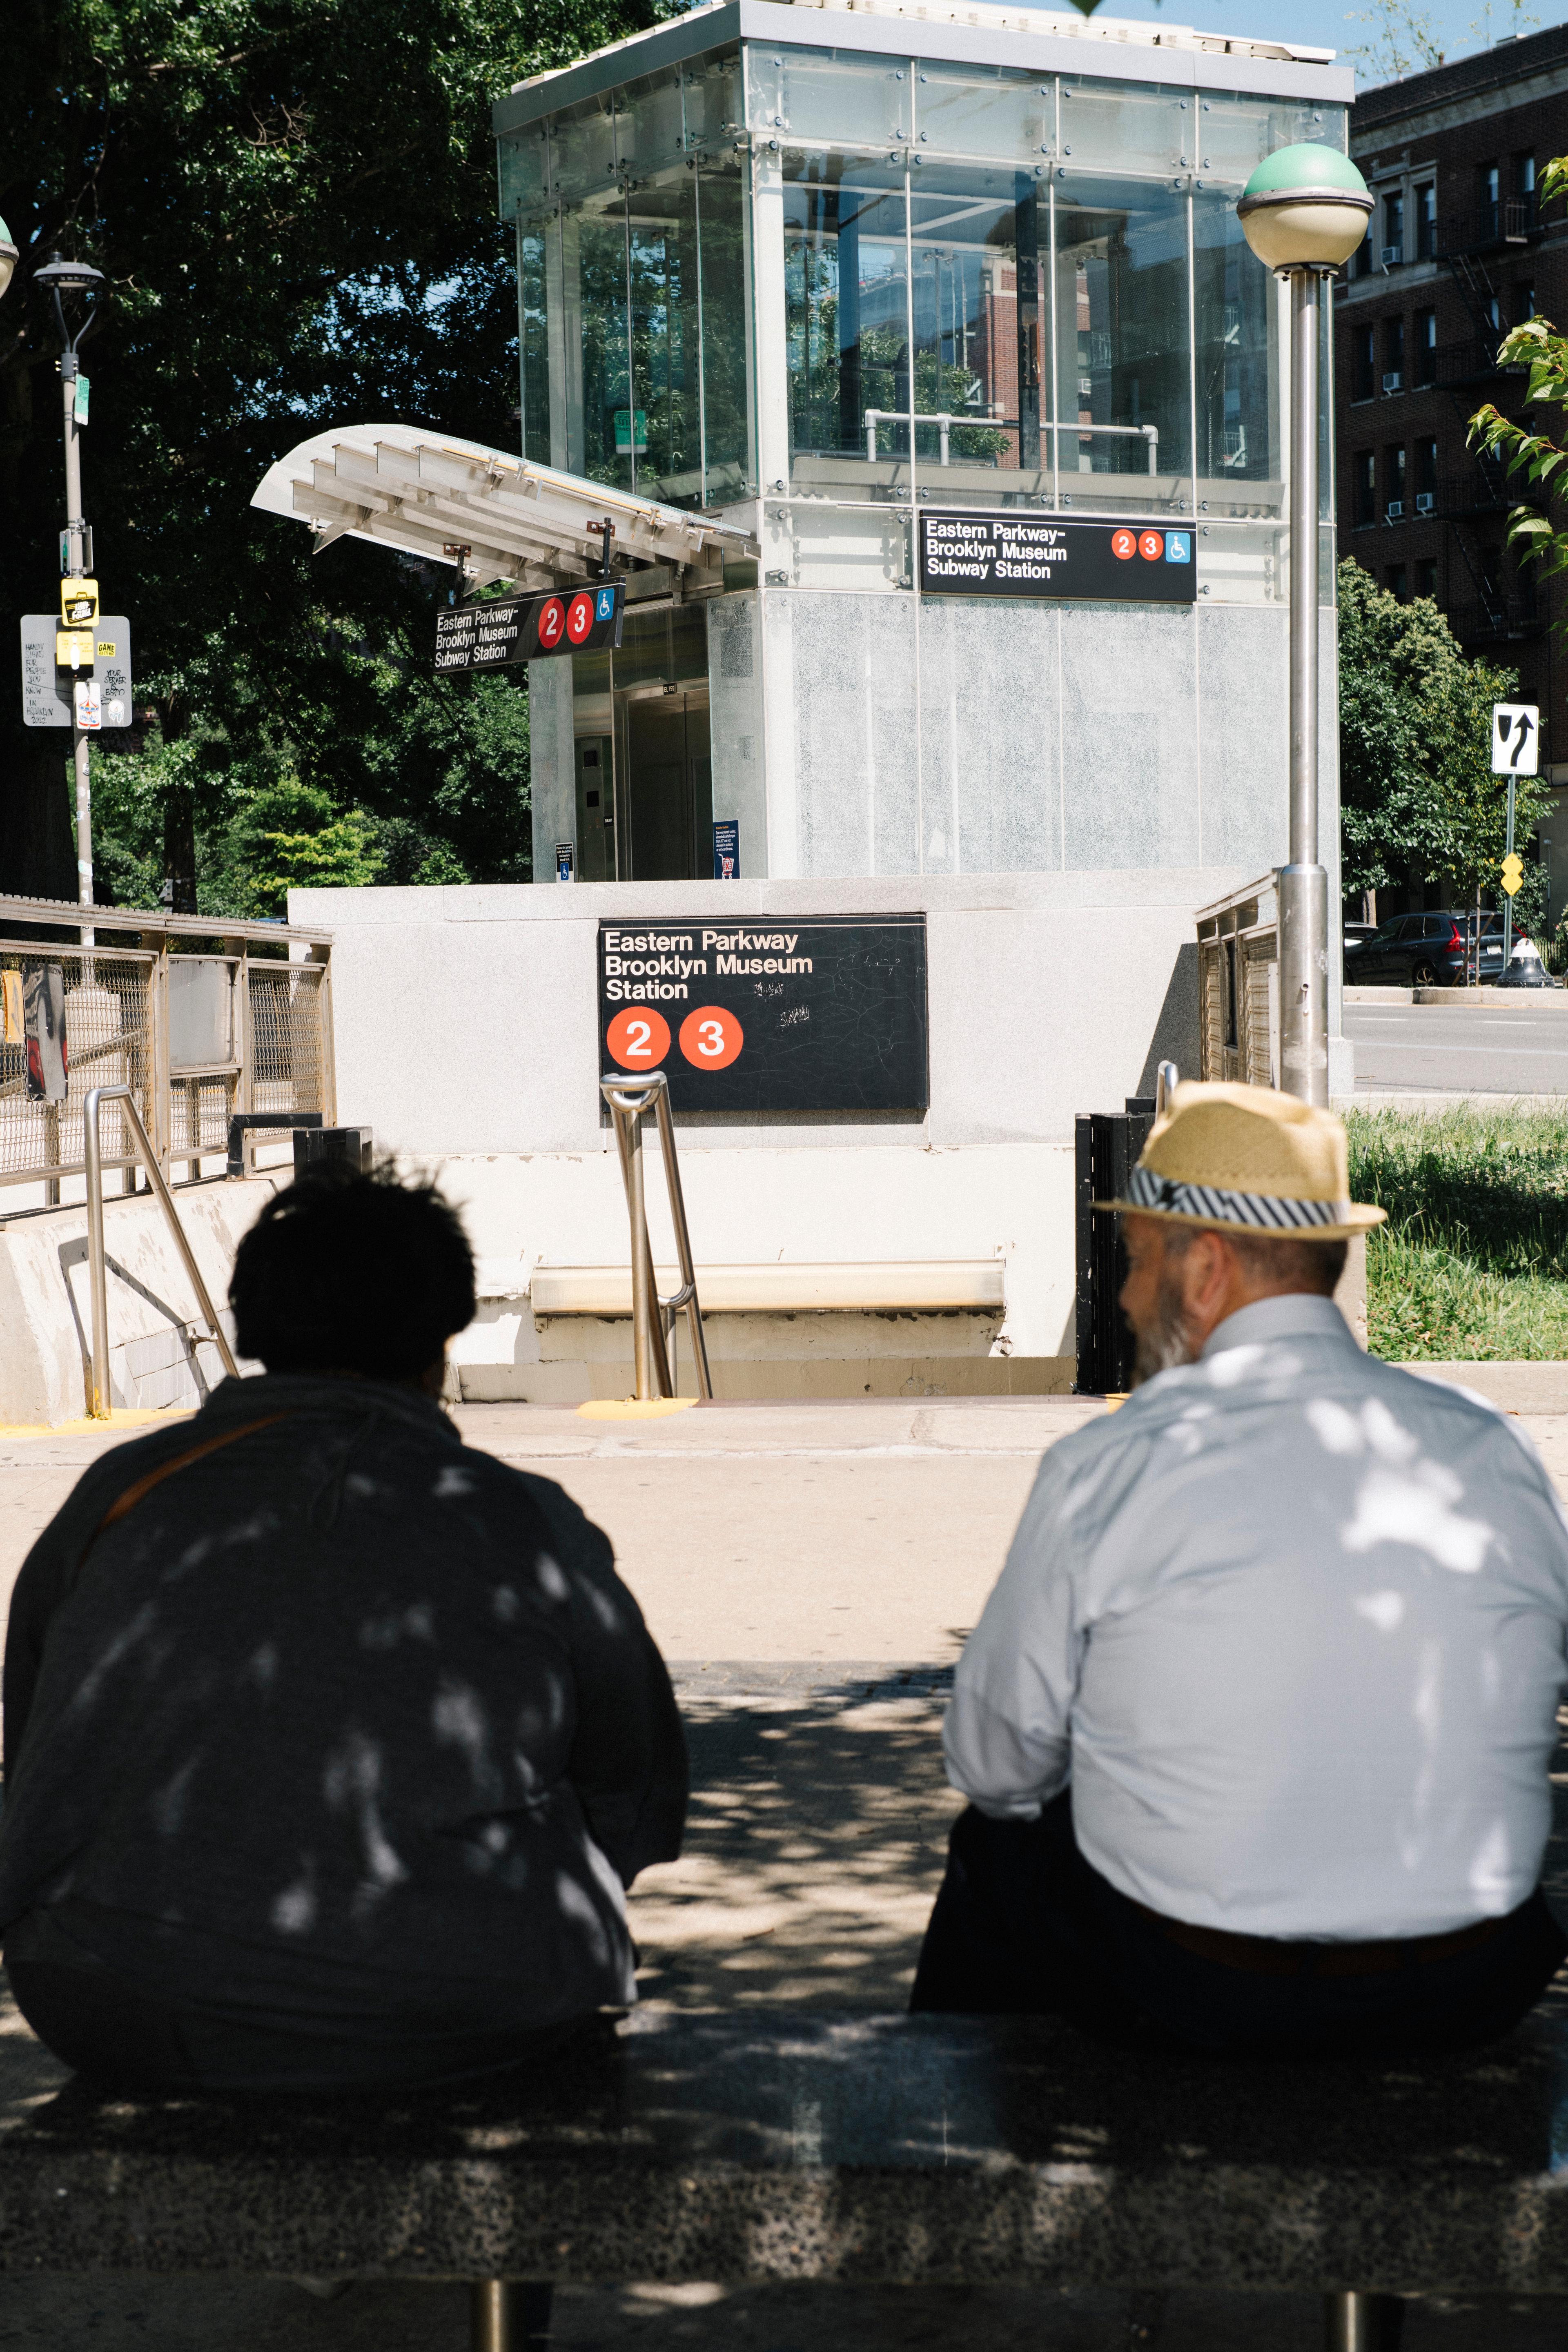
[644, 768]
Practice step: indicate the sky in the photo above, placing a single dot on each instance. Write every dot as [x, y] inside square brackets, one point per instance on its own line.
[1460, 27]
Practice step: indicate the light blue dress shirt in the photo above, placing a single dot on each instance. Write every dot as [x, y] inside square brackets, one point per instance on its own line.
[1292, 1622]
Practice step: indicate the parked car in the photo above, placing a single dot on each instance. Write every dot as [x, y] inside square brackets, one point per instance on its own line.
[1356, 932]
[1430, 951]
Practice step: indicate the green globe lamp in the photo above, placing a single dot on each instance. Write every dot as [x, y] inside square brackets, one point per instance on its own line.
[1304, 211]
[8, 257]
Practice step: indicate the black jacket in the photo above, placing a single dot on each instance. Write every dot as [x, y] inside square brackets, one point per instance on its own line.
[345, 1694]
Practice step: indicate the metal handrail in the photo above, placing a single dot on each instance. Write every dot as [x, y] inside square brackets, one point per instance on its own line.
[653, 1317]
[944, 419]
[98, 1269]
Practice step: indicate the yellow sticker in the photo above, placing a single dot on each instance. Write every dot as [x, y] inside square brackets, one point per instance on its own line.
[11, 991]
[106, 646]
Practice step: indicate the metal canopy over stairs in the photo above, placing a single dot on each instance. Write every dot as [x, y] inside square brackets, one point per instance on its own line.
[496, 516]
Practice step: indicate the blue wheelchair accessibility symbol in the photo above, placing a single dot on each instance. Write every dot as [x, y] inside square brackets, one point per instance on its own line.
[603, 603]
[1178, 547]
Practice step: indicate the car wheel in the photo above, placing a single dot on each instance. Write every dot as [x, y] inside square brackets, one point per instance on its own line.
[1423, 975]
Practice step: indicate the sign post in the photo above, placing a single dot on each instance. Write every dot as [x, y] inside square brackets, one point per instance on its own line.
[1516, 751]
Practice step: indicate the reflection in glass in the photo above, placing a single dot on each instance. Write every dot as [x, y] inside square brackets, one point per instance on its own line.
[665, 337]
[1123, 349]
[1238, 429]
[532, 334]
[726, 333]
[847, 320]
[976, 288]
[610, 433]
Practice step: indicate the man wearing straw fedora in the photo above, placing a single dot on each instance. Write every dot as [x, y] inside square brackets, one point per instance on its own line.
[1256, 1725]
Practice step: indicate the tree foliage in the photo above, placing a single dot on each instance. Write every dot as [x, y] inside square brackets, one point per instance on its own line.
[1533, 457]
[1416, 790]
[294, 203]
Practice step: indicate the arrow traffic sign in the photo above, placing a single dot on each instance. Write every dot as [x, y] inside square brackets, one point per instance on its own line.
[1516, 738]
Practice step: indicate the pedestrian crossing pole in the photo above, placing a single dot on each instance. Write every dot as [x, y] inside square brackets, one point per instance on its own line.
[1507, 878]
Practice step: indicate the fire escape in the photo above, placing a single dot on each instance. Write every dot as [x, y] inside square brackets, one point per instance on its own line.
[1463, 371]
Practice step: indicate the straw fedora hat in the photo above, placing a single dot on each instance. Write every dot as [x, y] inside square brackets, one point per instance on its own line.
[1245, 1157]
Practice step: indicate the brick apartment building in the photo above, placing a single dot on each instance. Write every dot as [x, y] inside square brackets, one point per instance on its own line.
[1457, 252]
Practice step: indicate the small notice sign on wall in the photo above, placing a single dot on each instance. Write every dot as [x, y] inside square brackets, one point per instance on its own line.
[765, 1013]
[1019, 553]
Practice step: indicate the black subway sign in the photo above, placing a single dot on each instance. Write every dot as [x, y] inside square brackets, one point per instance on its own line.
[1023, 554]
[770, 1013]
[526, 628]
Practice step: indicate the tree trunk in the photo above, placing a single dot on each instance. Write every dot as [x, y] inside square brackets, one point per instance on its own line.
[38, 846]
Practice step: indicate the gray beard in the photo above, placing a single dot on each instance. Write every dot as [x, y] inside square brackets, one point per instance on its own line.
[1165, 1342]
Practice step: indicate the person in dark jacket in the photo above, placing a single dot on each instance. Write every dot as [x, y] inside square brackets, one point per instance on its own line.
[332, 1744]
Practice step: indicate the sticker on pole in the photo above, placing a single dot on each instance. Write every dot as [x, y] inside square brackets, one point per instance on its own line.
[1516, 738]
[1512, 873]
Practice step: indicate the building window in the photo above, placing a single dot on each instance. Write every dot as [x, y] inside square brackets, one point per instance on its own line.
[1364, 379]
[1393, 229]
[1523, 303]
[1489, 193]
[1364, 477]
[1426, 577]
[1524, 175]
[1394, 355]
[1426, 346]
[1394, 581]
[1363, 261]
[1394, 483]
[1426, 221]
[1426, 474]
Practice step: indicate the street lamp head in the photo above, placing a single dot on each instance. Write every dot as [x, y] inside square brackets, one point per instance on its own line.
[1305, 207]
[58, 277]
[8, 257]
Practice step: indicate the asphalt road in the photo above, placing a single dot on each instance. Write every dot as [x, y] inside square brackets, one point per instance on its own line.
[1500, 1049]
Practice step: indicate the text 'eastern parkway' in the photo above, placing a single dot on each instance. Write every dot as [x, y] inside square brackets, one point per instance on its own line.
[643, 966]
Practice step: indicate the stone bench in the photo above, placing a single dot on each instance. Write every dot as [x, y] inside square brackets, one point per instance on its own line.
[840, 2149]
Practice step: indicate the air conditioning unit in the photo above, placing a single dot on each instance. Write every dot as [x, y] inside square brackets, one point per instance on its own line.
[1424, 501]
[1392, 253]
[1395, 511]
[1393, 381]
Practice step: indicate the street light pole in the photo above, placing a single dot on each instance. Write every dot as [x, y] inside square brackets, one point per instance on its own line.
[58, 278]
[1303, 212]
[1304, 882]
[76, 565]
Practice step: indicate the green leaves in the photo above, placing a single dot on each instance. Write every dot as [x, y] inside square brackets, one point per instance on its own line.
[295, 202]
[1417, 789]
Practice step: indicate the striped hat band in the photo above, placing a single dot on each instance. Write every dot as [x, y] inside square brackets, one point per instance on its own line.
[1266, 1212]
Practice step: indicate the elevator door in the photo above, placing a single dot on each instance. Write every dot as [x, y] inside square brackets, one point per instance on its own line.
[669, 787]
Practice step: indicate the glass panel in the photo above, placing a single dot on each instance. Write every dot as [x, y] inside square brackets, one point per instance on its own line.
[836, 95]
[1122, 351]
[975, 244]
[650, 129]
[603, 431]
[532, 335]
[1235, 134]
[985, 110]
[726, 408]
[714, 112]
[845, 324]
[520, 162]
[666, 442]
[1240, 464]
[1126, 126]
[583, 149]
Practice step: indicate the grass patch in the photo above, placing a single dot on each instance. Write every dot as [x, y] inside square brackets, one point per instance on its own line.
[1473, 1262]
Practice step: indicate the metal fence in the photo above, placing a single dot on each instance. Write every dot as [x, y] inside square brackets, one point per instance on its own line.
[200, 1019]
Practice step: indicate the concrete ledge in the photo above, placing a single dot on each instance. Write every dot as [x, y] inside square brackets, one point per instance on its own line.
[1369, 995]
[826, 2148]
[1517, 1386]
[1492, 996]
[910, 1288]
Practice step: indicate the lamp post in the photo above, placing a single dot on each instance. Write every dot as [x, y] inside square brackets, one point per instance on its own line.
[1304, 211]
[59, 277]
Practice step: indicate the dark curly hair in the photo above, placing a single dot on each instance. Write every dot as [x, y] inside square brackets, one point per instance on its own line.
[353, 1273]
